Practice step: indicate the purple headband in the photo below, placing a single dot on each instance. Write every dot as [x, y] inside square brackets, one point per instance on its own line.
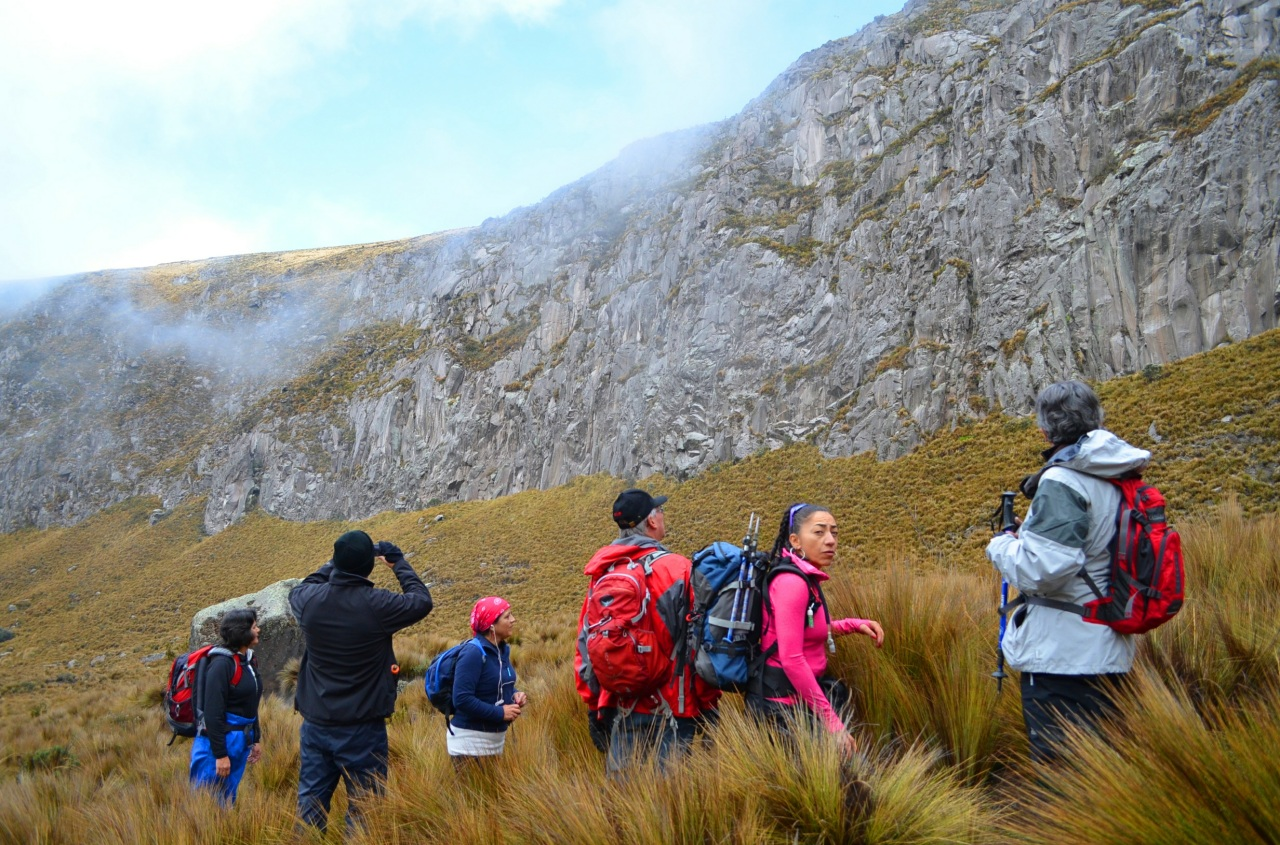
[791, 515]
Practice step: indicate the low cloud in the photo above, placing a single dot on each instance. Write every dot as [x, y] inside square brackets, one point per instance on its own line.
[96, 97]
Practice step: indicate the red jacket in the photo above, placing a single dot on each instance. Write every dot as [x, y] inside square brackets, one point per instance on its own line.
[686, 693]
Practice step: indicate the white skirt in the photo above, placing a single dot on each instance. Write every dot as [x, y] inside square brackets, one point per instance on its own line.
[469, 743]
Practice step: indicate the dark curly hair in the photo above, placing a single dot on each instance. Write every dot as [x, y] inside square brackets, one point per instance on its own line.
[236, 628]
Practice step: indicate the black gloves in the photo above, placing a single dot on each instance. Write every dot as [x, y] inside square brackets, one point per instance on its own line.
[388, 550]
[600, 725]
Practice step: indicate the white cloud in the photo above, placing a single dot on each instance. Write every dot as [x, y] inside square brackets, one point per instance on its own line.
[686, 56]
[476, 11]
[87, 87]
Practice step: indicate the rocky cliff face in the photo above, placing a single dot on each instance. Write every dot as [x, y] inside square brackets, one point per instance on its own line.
[916, 225]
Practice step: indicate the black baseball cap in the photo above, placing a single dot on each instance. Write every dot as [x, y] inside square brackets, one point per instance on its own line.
[633, 505]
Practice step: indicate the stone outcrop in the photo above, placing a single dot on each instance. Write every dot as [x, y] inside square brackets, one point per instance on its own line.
[280, 637]
[914, 226]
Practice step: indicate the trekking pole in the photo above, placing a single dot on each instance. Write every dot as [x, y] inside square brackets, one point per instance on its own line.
[1007, 522]
[746, 572]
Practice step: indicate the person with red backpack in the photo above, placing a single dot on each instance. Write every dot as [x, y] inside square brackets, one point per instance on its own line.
[633, 667]
[227, 693]
[1057, 559]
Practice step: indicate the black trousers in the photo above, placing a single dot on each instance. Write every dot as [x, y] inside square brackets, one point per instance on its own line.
[1051, 701]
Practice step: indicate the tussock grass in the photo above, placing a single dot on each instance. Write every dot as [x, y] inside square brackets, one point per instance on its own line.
[1225, 646]
[83, 758]
[945, 755]
[931, 681]
[1171, 774]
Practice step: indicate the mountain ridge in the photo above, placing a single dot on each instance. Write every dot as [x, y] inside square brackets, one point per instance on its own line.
[910, 228]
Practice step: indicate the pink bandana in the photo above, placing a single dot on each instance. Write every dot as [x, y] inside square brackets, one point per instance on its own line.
[486, 612]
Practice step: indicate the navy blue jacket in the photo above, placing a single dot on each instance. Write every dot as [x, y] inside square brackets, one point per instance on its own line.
[480, 681]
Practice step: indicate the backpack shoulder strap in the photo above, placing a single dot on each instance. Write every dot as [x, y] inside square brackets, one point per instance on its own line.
[814, 588]
[646, 562]
[235, 661]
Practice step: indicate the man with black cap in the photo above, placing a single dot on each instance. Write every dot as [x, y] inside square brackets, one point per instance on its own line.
[347, 678]
[663, 722]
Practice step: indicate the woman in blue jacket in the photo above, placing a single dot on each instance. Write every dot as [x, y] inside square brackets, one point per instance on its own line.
[485, 700]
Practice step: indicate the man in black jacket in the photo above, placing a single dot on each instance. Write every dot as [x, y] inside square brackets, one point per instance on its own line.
[347, 678]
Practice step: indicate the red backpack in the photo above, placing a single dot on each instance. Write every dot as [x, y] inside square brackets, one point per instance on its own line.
[1146, 565]
[1146, 576]
[180, 695]
[627, 646]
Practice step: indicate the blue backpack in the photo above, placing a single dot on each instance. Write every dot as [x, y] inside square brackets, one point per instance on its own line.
[439, 680]
[728, 588]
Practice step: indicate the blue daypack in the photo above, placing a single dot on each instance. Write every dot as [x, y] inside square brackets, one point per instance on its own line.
[439, 680]
[727, 614]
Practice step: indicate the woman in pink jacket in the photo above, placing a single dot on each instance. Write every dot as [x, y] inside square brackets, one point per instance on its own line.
[799, 631]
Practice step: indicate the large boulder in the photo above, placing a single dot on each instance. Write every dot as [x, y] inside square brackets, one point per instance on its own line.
[281, 638]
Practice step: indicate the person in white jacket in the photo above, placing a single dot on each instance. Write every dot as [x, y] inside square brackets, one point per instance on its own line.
[1069, 667]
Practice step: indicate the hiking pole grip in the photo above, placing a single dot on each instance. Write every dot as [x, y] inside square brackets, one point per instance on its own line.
[746, 572]
[1008, 522]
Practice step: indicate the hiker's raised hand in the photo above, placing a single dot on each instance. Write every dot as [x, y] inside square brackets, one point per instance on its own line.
[388, 553]
[222, 766]
[872, 629]
[521, 699]
[510, 712]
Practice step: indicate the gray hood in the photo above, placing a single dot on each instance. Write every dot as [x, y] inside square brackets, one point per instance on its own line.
[1100, 453]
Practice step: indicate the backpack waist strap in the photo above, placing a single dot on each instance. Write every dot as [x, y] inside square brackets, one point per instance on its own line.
[1042, 602]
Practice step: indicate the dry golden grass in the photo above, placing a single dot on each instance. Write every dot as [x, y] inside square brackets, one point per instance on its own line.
[946, 755]
[187, 281]
[83, 747]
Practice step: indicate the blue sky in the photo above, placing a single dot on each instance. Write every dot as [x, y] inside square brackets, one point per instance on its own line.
[144, 131]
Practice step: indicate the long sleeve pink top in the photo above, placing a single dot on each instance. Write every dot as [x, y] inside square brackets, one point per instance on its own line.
[802, 649]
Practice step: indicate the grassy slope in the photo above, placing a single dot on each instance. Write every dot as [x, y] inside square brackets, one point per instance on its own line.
[85, 761]
[134, 586]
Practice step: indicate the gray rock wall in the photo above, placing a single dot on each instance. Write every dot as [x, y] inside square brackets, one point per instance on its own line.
[914, 226]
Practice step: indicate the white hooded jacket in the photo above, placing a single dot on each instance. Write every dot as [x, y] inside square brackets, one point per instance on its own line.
[1070, 525]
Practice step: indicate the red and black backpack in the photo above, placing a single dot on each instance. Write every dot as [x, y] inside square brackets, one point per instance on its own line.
[182, 706]
[1146, 588]
[1146, 582]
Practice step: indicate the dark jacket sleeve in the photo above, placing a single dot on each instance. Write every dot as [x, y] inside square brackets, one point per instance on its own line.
[298, 595]
[401, 611]
[467, 682]
[215, 686]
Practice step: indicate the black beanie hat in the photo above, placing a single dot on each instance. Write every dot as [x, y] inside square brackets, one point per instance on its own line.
[353, 552]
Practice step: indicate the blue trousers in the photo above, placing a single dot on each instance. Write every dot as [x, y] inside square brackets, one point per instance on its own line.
[204, 771]
[355, 753]
[639, 734]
